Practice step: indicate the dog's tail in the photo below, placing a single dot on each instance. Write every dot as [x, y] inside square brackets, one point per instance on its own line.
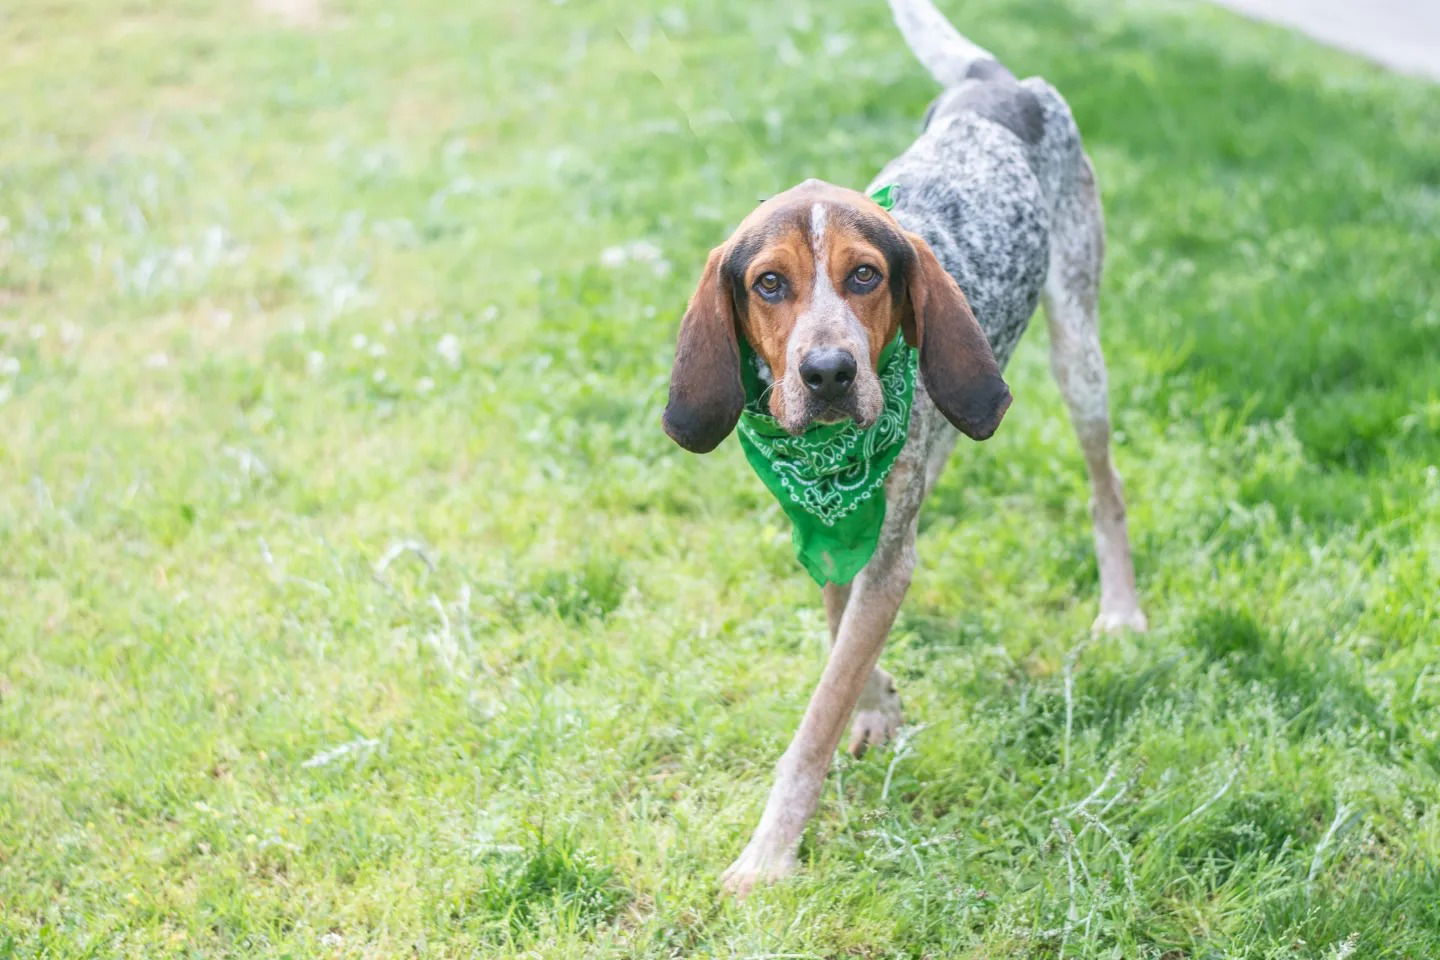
[948, 55]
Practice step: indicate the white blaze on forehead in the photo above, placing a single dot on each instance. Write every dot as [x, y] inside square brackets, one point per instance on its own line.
[826, 307]
[817, 232]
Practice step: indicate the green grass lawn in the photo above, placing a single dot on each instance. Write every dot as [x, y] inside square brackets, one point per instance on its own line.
[353, 604]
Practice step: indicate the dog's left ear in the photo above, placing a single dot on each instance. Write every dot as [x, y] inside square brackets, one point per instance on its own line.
[706, 395]
[959, 368]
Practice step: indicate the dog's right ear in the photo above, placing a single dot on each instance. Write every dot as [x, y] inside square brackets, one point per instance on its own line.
[705, 391]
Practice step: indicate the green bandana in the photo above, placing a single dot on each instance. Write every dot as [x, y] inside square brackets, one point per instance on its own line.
[828, 479]
[884, 196]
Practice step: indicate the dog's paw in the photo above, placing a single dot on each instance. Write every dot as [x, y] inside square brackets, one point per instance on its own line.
[872, 728]
[1120, 619]
[877, 717]
[755, 866]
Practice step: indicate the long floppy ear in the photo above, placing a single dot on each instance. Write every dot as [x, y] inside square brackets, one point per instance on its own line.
[705, 391]
[959, 368]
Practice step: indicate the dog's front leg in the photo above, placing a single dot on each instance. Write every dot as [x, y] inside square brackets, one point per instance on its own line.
[877, 716]
[799, 776]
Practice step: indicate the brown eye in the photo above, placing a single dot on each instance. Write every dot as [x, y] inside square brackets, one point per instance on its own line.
[864, 278]
[770, 285]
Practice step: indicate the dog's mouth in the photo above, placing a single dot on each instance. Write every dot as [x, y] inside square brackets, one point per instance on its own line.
[834, 414]
[797, 410]
[830, 414]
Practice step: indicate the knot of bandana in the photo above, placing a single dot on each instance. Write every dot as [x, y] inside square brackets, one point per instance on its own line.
[829, 479]
[884, 196]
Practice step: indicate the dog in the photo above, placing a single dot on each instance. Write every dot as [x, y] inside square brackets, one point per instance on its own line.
[995, 210]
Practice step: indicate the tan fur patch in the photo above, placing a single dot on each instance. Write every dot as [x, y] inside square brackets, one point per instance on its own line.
[847, 252]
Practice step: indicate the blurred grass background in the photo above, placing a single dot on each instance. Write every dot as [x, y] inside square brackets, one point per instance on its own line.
[352, 603]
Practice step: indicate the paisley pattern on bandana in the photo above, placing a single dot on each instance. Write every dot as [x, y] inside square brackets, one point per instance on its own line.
[829, 480]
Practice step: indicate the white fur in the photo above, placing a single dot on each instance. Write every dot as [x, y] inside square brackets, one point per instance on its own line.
[937, 44]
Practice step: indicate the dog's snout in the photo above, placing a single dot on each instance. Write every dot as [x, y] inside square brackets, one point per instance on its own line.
[828, 372]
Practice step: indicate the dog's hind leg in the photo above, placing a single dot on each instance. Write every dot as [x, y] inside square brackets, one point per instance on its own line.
[1071, 307]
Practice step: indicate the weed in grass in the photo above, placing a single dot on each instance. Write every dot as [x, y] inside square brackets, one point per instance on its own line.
[548, 878]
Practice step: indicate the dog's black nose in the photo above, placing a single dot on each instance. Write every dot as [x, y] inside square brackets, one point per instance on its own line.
[828, 373]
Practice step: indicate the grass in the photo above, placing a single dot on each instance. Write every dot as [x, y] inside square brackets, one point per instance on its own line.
[352, 603]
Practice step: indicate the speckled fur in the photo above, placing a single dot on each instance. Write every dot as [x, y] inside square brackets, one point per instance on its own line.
[1013, 214]
[985, 201]
[999, 186]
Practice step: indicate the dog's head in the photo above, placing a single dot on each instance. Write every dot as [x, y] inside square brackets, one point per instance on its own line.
[817, 280]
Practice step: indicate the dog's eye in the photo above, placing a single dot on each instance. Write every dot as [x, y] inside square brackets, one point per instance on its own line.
[864, 278]
[770, 285]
